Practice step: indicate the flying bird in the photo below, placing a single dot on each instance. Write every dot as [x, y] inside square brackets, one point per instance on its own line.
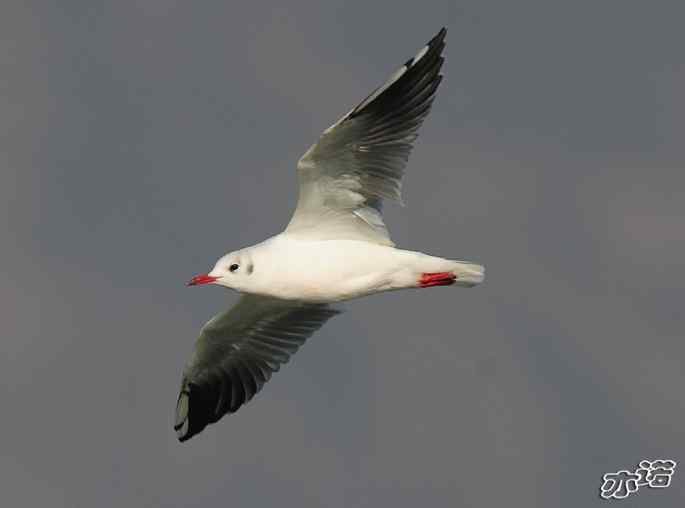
[336, 247]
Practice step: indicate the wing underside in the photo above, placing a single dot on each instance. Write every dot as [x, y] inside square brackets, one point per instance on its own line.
[236, 354]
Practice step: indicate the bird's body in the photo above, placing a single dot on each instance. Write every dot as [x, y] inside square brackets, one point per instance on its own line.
[336, 247]
[327, 271]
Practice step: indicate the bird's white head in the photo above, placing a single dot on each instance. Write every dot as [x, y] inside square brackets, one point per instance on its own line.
[232, 271]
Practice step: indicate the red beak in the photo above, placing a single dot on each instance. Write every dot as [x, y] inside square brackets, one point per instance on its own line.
[201, 279]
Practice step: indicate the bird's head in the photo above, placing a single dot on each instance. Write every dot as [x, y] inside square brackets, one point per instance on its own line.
[231, 271]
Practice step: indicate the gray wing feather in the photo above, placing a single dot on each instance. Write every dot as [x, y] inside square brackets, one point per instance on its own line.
[236, 354]
[360, 160]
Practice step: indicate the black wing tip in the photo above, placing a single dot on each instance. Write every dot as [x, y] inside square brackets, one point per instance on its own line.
[182, 438]
[438, 40]
[435, 46]
[430, 57]
[205, 399]
[194, 411]
[185, 436]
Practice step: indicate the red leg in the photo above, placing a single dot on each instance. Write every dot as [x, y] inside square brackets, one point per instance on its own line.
[428, 280]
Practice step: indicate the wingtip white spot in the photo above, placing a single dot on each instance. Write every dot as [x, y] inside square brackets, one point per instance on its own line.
[420, 55]
[182, 424]
[396, 75]
[183, 430]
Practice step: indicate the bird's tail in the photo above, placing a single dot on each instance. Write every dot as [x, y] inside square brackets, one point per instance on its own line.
[435, 271]
[468, 274]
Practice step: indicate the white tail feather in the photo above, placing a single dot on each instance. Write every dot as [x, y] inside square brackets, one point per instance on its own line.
[468, 274]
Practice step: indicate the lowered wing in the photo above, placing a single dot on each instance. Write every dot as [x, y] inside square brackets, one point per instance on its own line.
[236, 354]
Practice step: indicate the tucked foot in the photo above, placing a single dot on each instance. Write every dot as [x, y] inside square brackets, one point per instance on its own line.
[428, 280]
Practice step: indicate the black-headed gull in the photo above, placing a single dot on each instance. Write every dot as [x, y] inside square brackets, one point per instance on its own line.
[336, 247]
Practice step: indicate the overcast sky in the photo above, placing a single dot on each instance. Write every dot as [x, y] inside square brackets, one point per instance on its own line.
[139, 141]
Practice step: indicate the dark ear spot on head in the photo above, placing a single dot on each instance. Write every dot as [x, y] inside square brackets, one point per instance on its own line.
[250, 268]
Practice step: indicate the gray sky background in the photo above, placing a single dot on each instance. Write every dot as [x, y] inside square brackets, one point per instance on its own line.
[141, 140]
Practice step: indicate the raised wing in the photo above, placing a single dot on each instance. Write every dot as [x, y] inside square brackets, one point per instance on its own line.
[360, 160]
[236, 354]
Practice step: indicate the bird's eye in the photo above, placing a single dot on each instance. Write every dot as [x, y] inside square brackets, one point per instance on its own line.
[234, 267]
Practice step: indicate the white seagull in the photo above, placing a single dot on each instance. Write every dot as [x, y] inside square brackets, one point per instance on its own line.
[336, 247]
